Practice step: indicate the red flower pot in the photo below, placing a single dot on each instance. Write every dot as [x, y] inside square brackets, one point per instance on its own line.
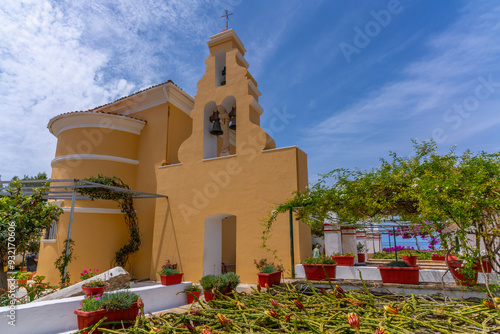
[410, 259]
[192, 298]
[21, 281]
[344, 260]
[460, 279]
[269, 279]
[90, 291]
[401, 275]
[486, 266]
[209, 295]
[86, 319]
[361, 258]
[438, 258]
[171, 279]
[315, 272]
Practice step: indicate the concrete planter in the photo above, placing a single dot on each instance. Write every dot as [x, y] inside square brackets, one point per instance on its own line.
[269, 279]
[191, 296]
[344, 260]
[171, 279]
[86, 319]
[90, 291]
[410, 259]
[460, 278]
[401, 275]
[315, 272]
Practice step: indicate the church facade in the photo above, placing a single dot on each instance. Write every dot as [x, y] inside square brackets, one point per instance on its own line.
[220, 170]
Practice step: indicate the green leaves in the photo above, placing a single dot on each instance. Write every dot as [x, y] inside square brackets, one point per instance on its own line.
[448, 190]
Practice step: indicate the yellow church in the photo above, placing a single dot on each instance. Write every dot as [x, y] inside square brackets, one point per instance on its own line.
[219, 171]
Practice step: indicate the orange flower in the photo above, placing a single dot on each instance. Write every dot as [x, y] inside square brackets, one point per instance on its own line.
[339, 290]
[225, 321]
[207, 331]
[353, 320]
[390, 309]
[272, 313]
[489, 304]
[274, 303]
[299, 305]
[380, 330]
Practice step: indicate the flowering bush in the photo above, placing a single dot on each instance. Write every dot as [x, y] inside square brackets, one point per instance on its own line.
[86, 274]
[424, 231]
[169, 265]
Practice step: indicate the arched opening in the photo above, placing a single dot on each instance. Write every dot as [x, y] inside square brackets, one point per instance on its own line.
[209, 141]
[220, 68]
[229, 103]
[219, 252]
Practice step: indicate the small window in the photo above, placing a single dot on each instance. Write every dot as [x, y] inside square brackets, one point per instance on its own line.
[220, 68]
[51, 232]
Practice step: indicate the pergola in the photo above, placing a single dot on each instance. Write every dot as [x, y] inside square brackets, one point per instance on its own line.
[67, 189]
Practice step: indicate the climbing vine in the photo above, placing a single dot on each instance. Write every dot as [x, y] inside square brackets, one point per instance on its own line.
[126, 203]
[63, 261]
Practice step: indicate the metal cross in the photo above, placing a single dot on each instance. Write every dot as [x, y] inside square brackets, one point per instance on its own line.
[227, 16]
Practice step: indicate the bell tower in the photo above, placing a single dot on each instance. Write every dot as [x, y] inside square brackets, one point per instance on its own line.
[226, 111]
[230, 173]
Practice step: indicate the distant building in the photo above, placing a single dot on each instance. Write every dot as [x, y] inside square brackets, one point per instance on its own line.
[220, 181]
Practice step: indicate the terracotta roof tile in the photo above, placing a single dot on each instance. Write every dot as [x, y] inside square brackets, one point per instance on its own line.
[96, 109]
[100, 112]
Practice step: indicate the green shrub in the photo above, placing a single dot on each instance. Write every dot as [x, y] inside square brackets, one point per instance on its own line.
[269, 269]
[221, 282]
[112, 301]
[208, 282]
[319, 260]
[168, 271]
[227, 281]
[263, 263]
[397, 264]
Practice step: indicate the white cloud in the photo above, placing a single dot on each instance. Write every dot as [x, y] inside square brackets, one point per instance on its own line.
[57, 57]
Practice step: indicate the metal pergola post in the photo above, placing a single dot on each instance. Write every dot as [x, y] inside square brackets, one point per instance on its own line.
[70, 225]
[292, 256]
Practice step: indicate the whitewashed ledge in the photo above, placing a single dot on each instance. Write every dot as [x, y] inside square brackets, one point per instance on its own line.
[373, 274]
[56, 316]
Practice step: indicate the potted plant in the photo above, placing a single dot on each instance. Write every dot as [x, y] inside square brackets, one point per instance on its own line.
[315, 268]
[95, 286]
[223, 284]
[409, 256]
[192, 293]
[169, 274]
[361, 252]
[344, 260]
[461, 275]
[438, 256]
[399, 272]
[269, 273]
[119, 306]
[21, 276]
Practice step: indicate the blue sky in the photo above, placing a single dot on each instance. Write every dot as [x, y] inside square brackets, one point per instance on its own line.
[356, 79]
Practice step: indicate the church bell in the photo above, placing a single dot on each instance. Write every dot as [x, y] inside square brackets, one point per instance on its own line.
[216, 129]
[232, 114]
[232, 126]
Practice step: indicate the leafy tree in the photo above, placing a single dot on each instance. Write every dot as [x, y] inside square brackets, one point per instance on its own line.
[455, 194]
[23, 219]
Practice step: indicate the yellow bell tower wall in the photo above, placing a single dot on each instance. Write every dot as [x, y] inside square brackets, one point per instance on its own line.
[209, 190]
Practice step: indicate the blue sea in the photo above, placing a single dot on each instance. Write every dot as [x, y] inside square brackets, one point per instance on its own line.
[424, 244]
